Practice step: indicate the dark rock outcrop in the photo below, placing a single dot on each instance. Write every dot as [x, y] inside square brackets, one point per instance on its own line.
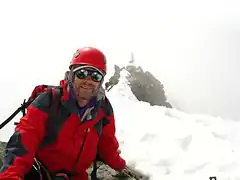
[146, 87]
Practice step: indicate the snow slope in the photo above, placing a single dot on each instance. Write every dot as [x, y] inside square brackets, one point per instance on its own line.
[170, 145]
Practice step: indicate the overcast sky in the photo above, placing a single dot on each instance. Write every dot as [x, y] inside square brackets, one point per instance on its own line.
[192, 46]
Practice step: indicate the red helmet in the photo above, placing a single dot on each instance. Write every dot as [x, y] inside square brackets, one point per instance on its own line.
[89, 56]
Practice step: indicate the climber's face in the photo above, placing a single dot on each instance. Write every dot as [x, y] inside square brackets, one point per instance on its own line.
[86, 83]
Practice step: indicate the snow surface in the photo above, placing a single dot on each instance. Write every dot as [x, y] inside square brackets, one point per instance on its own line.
[169, 144]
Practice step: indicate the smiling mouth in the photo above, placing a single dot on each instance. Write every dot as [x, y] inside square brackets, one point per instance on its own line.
[86, 88]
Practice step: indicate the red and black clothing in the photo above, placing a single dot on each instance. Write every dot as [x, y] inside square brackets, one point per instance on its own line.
[65, 143]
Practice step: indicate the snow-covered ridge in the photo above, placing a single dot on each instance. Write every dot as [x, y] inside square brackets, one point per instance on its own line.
[171, 145]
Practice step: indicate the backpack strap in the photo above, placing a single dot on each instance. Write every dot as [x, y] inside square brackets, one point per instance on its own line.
[55, 99]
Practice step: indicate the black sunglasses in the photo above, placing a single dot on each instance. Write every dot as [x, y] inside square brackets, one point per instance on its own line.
[84, 73]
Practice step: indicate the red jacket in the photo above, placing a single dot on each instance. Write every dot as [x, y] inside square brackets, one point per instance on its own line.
[74, 145]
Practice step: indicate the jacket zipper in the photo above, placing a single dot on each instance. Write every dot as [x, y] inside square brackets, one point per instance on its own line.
[86, 113]
[81, 149]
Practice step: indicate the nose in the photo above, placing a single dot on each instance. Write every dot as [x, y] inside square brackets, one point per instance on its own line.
[89, 78]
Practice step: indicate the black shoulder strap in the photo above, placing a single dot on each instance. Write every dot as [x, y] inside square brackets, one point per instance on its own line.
[55, 95]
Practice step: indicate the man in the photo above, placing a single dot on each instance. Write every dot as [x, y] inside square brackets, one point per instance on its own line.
[66, 146]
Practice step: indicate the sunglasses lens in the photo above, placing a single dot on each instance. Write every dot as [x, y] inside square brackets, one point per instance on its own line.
[96, 76]
[84, 73]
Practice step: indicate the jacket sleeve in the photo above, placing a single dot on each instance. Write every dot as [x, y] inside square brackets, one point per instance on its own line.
[22, 145]
[108, 143]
